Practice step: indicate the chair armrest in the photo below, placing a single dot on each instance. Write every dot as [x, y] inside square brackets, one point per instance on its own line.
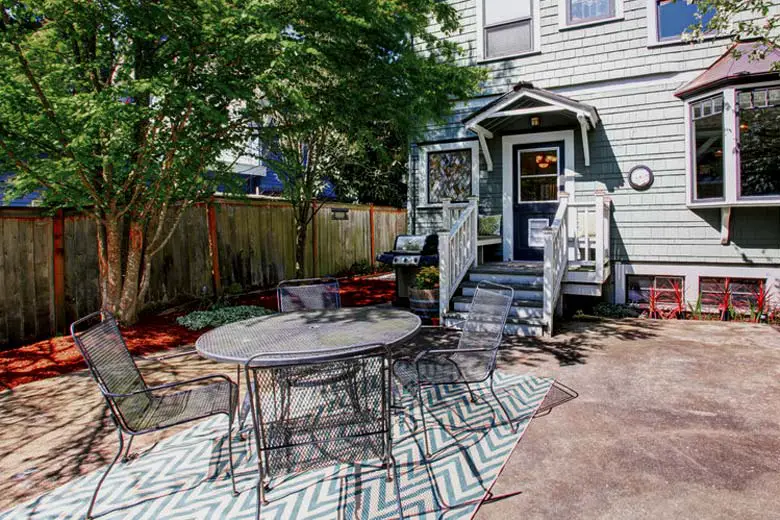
[169, 385]
[424, 353]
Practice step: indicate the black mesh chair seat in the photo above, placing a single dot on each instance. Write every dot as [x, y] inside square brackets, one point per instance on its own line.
[137, 408]
[187, 405]
[444, 368]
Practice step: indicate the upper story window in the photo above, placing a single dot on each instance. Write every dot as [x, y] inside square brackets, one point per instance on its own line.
[759, 142]
[668, 20]
[507, 28]
[583, 11]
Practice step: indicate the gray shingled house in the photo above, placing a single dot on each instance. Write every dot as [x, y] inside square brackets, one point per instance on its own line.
[621, 161]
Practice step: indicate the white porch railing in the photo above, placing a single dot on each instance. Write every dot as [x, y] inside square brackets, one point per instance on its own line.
[457, 248]
[589, 235]
[555, 260]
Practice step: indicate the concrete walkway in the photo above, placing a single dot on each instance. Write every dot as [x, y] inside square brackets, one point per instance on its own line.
[673, 420]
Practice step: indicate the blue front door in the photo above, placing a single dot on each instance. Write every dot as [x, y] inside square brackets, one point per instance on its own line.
[537, 179]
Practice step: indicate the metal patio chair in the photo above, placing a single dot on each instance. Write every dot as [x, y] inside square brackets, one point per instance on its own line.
[472, 361]
[137, 408]
[308, 294]
[318, 423]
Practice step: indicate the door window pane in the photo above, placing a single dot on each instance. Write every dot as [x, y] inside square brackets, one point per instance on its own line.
[759, 142]
[675, 17]
[498, 11]
[707, 118]
[539, 175]
[505, 40]
[580, 11]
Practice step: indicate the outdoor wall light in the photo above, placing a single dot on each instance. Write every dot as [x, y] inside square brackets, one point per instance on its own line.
[339, 213]
[536, 121]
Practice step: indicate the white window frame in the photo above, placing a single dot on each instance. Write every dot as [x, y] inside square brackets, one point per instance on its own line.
[652, 28]
[536, 29]
[730, 156]
[563, 18]
[424, 150]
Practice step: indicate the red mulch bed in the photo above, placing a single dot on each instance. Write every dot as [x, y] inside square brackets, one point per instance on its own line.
[57, 356]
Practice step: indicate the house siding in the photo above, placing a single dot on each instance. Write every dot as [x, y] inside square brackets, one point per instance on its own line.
[642, 123]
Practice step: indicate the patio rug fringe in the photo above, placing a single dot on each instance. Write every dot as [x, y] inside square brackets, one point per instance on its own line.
[184, 476]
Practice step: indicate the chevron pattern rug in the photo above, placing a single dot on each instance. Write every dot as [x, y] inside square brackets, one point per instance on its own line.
[184, 476]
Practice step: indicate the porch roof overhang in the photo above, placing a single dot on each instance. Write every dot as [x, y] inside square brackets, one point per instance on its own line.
[526, 100]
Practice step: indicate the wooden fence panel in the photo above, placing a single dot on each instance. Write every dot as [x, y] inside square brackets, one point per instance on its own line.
[388, 223]
[26, 262]
[182, 269]
[256, 243]
[255, 248]
[342, 243]
[82, 292]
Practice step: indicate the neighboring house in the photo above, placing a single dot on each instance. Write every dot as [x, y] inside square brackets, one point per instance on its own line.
[31, 199]
[596, 111]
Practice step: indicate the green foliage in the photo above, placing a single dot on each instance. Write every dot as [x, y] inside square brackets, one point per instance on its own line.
[215, 317]
[427, 278]
[362, 267]
[614, 310]
[743, 20]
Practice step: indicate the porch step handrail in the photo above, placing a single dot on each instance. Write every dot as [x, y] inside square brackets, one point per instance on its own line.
[589, 239]
[556, 260]
[457, 251]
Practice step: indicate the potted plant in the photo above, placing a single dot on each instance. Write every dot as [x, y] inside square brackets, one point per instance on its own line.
[424, 293]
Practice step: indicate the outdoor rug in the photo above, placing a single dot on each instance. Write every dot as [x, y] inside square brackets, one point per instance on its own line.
[184, 476]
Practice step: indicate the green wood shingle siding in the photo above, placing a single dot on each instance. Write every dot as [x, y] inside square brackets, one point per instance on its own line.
[610, 67]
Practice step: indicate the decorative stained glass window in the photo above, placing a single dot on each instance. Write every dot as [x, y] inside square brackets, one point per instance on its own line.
[449, 175]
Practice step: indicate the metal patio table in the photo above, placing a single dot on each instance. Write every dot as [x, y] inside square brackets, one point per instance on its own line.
[287, 345]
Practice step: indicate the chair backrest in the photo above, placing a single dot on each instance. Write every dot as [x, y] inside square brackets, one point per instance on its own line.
[308, 294]
[487, 316]
[110, 362]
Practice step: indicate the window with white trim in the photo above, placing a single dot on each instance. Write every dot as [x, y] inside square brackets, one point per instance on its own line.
[734, 146]
[669, 20]
[507, 27]
[741, 294]
[584, 11]
[707, 117]
[450, 171]
[667, 291]
[759, 142]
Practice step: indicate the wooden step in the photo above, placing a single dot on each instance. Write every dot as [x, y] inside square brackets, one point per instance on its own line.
[520, 308]
[529, 327]
[523, 290]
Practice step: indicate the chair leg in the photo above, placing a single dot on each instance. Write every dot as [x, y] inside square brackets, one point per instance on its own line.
[100, 482]
[422, 417]
[473, 395]
[506, 412]
[230, 450]
[126, 456]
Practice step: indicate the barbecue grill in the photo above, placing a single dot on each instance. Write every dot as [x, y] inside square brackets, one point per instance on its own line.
[409, 253]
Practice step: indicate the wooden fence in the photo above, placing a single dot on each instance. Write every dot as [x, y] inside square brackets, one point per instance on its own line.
[49, 267]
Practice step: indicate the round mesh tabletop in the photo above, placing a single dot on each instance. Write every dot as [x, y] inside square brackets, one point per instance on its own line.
[308, 336]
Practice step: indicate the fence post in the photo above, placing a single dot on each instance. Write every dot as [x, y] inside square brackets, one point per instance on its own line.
[214, 247]
[58, 324]
[373, 243]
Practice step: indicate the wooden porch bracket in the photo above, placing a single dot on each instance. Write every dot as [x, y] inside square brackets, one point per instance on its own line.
[484, 134]
[585, 145]
[725, 225]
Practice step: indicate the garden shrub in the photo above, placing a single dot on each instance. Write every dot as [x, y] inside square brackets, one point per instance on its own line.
[215, 317]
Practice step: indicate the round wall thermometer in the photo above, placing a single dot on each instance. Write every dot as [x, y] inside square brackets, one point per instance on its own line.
[641, 177]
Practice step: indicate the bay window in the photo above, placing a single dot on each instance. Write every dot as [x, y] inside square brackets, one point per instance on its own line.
[507, 27]
[734, 147]
[759, 142]
[708, 146]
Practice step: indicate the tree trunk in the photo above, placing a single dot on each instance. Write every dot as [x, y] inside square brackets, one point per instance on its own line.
[301, 224]
[129, 303]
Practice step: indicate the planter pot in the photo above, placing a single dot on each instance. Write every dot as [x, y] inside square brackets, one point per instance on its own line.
[424, 302]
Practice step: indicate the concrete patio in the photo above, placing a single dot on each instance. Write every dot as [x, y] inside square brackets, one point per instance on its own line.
[674, 419]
